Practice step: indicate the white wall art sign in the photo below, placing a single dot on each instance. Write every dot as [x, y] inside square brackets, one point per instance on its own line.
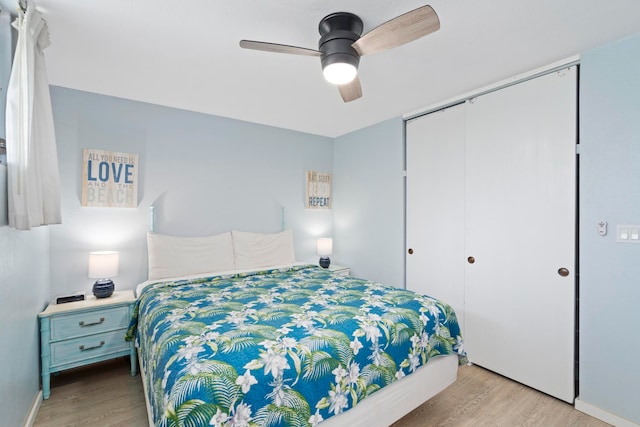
[109, 179]
[318, 190]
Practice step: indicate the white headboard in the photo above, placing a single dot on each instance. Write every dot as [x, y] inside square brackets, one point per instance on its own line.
[152, 218]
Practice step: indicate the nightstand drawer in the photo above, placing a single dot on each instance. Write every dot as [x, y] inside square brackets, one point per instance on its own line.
[339, 270]
[342, 273]
[78, 349]
[89, 322]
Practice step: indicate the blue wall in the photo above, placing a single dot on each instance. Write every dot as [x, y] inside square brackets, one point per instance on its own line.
[24, 290]
[610, 191]
[369, 202]
[204, 174]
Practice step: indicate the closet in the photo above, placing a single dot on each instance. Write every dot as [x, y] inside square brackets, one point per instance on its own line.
[491, 225]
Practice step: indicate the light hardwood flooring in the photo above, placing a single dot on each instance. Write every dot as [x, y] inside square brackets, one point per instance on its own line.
[101, 395]
[106, 395]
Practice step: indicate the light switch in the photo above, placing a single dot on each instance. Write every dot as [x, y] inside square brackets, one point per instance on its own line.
[628, 234]
[624, 233]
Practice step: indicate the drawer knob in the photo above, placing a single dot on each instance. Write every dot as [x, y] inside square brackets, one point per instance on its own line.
[83, 348]
[81, 323]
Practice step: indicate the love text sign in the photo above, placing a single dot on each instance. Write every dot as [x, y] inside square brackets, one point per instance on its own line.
[109, 179]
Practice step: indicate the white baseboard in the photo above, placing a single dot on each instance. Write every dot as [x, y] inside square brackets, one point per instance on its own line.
[33, 413]
[603, 415]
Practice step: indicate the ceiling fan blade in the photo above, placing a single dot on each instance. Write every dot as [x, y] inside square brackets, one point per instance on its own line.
[351, 91]
[278, 48]
[398, 31]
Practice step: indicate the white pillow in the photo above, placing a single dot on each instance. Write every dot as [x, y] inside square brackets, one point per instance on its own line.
[254, 250]
[172, 256]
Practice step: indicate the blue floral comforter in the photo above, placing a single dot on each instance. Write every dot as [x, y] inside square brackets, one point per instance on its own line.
[289, 347]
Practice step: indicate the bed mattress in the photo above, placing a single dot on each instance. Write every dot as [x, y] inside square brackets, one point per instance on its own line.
[289, 346]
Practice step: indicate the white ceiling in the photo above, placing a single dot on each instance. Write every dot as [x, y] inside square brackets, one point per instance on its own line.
[186, 54]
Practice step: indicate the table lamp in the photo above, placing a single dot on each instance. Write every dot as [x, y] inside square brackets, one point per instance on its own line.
[324, 248]
[103, 265]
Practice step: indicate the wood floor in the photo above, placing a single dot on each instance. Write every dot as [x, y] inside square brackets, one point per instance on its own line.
[106, 395]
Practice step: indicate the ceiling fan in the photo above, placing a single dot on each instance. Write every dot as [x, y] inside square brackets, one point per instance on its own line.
[341, 44]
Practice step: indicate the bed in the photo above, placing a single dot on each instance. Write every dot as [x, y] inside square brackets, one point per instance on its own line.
[260, 340]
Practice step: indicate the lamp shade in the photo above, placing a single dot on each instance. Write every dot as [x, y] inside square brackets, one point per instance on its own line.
[103, 264]
[324, 246]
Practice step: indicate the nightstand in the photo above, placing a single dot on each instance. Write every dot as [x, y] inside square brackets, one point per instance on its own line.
[83, 332]
[339, 270]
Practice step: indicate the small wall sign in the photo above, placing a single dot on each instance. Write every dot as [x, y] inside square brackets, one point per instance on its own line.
[109, 179]
[318, 190]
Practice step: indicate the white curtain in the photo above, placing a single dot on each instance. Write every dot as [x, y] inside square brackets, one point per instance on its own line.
[32, 161]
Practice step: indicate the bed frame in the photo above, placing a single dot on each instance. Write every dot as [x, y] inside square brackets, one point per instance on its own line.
[152, 218]
[385, 406]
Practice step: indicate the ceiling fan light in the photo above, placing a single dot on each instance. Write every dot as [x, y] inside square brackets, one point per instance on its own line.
[339, 73]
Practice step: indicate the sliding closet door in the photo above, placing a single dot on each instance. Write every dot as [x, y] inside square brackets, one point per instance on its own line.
[520, 177]
[435, 206]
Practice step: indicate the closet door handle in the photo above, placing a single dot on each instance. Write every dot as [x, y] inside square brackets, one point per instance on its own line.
[410, 251]
[564, 272]
[471, 260]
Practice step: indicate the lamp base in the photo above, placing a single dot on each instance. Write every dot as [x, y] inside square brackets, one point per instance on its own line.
[324, 262]
[103, 288]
